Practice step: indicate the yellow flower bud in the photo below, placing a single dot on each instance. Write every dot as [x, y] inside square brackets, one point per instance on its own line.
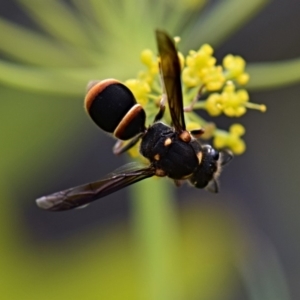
[231, 139]
[235, 69]
[147, 57]
[213, 104]
[237, 129]
[192, 126]
[140, 90]
[181, 60]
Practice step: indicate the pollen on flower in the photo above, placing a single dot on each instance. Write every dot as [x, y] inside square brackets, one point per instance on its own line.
[196, 63]
[213, 104]
[231, 102]
[231, 139]
[177, 39]
[181, 60]
[205, 85]
[235, 69]
[213, 78]
[190, 78]
[234, 102]
[150, 61]
[140, 90]
[263, 108]
[147, 57]
[243, 78]
[207, 49]
[237, 129]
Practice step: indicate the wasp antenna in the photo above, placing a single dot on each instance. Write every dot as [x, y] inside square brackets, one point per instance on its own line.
[226, 157]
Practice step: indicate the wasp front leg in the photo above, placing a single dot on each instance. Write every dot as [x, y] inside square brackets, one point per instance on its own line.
[162, 108]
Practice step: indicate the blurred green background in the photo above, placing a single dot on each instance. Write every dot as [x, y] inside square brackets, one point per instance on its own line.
[150, 241]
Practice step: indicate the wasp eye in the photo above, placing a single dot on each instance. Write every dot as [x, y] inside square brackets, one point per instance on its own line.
[215, 154]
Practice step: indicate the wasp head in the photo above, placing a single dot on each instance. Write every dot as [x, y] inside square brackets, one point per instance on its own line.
[209, 169]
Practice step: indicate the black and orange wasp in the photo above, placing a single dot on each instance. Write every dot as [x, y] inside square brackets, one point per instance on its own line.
[172, 151]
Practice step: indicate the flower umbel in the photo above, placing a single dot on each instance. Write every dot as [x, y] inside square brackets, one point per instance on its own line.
[231, 139]
[206, 85]
[231, 102]
[140, 89]
[235, 69]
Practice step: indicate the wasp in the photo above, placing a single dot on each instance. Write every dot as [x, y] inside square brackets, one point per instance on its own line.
[172, 151]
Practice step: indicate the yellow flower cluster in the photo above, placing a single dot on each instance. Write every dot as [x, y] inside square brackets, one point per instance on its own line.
[140, 90]
[232, 102]
[231, 139]
[218, 92]
[150, 61]
[235, 69]
[201, 70]
[141, 86]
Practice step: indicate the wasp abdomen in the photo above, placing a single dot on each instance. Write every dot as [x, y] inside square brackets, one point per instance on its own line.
[113, 108]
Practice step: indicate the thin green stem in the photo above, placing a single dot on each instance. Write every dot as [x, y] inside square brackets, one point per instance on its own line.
[223, 19]
[32, 48]
[66, 26]
[273, 74]
[196, 118]
[200, 105]
[156, 231]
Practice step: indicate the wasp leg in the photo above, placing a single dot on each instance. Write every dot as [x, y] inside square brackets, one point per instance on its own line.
[162, 108]
[226, 157]
[119, 148]
[178, 183]
[196, 133]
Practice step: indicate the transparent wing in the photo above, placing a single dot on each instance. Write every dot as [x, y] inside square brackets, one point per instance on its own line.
[86, 193]
[170, 68]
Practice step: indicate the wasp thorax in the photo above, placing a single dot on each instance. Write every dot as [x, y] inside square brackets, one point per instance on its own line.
[177, 158]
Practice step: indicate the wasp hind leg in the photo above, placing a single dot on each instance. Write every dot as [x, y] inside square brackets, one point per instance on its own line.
[120, 148]
[178, 182]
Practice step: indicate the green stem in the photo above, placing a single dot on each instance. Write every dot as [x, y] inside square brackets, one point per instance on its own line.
[200, 105]
[223, 19]
[156, 236]
[196, 118]
[273, 74]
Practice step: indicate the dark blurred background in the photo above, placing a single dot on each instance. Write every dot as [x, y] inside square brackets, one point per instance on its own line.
[248, 233]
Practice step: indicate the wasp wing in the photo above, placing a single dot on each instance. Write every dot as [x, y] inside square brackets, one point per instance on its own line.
[84, 194]
[170, 68]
